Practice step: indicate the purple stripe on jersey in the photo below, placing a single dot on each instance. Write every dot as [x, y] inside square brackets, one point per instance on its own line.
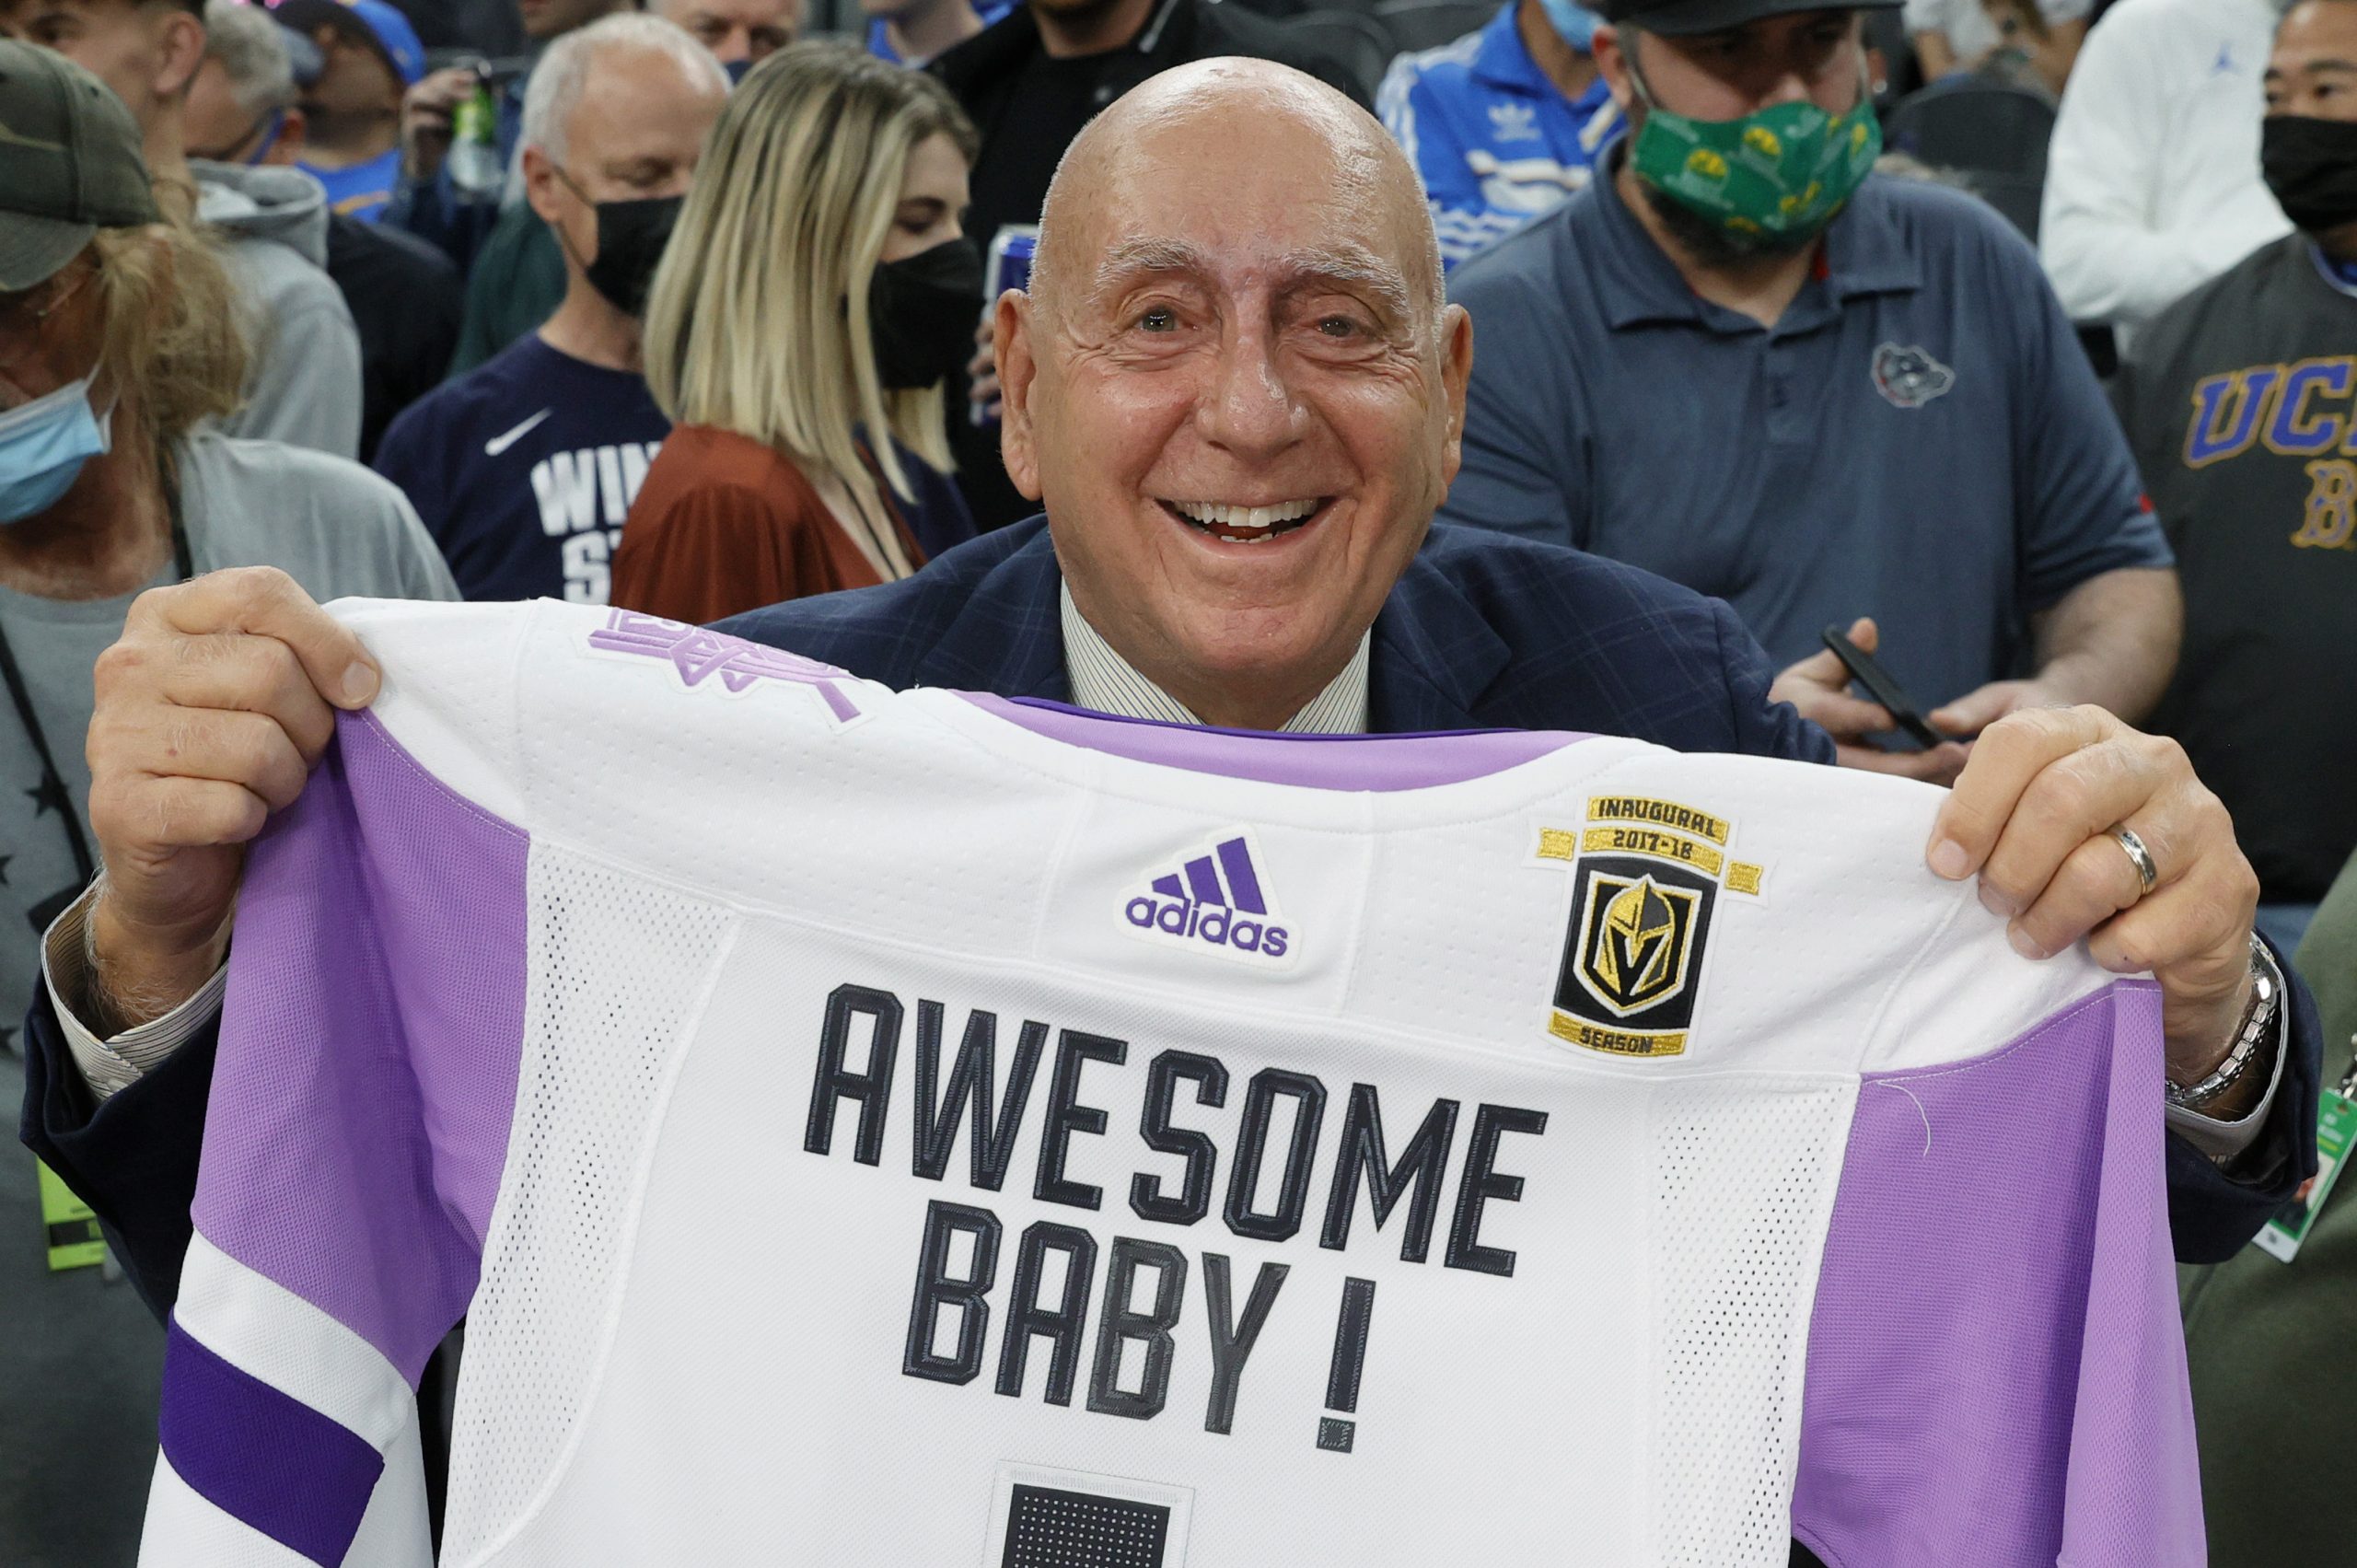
[1237, 861]
[261, 1456]
[366, 1075]
[2018, 1403]
[1204, 881]
[1314, 762]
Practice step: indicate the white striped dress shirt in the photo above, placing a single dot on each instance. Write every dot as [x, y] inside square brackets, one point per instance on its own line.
[1105, 682]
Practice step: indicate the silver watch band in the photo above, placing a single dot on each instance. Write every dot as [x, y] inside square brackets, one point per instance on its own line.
[2257, 1027]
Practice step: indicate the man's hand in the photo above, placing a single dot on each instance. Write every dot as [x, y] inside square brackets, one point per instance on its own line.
[211, 711]
[426, 109]
[1976, 711]
[1819, 686]
[983, 368]
[2033, 814]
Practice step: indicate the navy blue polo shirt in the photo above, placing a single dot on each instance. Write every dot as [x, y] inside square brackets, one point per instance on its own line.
[1919, 438]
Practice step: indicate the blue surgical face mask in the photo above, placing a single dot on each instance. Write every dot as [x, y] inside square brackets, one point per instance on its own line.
[1575, 23]
[43, 445]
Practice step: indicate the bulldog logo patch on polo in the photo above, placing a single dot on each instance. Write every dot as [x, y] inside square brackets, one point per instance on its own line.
[1910, 377]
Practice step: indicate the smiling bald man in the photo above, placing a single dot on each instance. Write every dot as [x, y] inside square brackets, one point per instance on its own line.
[1239, 393]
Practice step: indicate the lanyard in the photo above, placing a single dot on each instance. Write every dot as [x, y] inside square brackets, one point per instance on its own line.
[53, 790]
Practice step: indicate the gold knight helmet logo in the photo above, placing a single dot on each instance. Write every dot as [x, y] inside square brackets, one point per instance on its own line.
[1646, 875]
[1635, 957]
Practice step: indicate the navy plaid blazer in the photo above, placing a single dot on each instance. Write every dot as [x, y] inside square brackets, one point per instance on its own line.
[1482, 631]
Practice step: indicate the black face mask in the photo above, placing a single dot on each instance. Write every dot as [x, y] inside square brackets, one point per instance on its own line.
[921, 314]
[631, 236]
[2311, 165]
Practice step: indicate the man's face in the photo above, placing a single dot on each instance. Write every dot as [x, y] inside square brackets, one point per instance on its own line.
[49, 333]
[2312, 71]
[1810, 55]
[637, 132]
[1231, 330]
[545, 19]
[738, 29]
[221, 129]
[354, 82]
[142, 48]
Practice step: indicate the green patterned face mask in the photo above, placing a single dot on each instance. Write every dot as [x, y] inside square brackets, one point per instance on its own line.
[1780, 171]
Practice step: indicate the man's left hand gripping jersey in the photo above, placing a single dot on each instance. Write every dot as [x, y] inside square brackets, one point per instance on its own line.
[874, 1129]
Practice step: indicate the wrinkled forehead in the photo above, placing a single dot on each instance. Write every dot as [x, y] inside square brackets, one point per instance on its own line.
[1246, 210]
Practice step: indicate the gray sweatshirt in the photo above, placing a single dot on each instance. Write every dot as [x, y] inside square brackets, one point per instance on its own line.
[304, 386]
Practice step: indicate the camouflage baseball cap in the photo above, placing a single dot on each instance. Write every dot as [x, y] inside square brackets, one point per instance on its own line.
[69, 164]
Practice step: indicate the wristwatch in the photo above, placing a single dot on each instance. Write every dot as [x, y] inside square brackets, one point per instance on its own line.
[2257, 1025]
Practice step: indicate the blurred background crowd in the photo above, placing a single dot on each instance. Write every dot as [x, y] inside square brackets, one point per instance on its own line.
[683, 309]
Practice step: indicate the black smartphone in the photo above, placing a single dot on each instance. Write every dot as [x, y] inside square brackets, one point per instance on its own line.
[1883, 689]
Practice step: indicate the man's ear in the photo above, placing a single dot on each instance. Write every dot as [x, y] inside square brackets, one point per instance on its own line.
[540, 186]
[1610, 50]
[1011, 325]
[292, 131]
[1456, 370]
[180, 52]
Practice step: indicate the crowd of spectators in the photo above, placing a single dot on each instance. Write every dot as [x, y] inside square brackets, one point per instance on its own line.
[663, 309]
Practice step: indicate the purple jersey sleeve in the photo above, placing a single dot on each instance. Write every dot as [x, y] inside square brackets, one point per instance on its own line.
[2011, 1407]
[354, 1141]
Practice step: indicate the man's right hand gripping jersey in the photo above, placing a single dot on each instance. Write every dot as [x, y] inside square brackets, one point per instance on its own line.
[927, 1131]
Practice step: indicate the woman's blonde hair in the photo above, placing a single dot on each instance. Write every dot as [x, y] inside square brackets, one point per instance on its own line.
[757, 321]
[169, 328]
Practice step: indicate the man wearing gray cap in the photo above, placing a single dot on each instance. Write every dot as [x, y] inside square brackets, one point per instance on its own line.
[303, 379]
[116, 346]
[1745, 360]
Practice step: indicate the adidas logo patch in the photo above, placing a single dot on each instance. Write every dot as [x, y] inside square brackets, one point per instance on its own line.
[1216, 898]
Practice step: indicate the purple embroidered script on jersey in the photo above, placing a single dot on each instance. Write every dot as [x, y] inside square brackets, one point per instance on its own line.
[697, 654]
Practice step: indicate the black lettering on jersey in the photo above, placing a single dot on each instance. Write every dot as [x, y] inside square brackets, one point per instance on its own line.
[1251, 1145]
[1232, 1337]
[1119, 1323]
[971, 1080]
[1425, 1162]
[1194, 1201]
[1482, 1181]
[1067, 1116]
[836, 1082]
[937, 1288]
[1062, 1323]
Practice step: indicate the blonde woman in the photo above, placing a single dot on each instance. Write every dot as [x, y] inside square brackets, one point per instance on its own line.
[814, 294]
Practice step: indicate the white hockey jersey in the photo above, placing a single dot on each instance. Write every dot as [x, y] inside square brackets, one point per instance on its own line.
[929, 1131]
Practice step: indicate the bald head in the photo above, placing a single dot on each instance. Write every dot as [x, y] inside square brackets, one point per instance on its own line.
[1235, 122]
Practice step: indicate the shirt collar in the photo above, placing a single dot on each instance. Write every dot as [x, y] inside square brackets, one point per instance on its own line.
[1863, 253]
[1504, 61]
[1103, 680]
[2339, 275]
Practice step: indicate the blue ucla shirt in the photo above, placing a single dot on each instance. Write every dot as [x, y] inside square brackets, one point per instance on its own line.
[1495, 142]
[362, 191]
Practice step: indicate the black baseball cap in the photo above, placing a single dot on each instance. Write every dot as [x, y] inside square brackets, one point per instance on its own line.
[69, 164]
[1686, 18]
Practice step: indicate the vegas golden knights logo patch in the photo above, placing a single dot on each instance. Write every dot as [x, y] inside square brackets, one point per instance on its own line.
[1642, 897]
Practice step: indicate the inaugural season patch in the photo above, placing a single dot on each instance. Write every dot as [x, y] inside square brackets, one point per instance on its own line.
[1646, 876]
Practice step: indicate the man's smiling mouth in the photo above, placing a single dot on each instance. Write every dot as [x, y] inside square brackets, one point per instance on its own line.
[1247, 525]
